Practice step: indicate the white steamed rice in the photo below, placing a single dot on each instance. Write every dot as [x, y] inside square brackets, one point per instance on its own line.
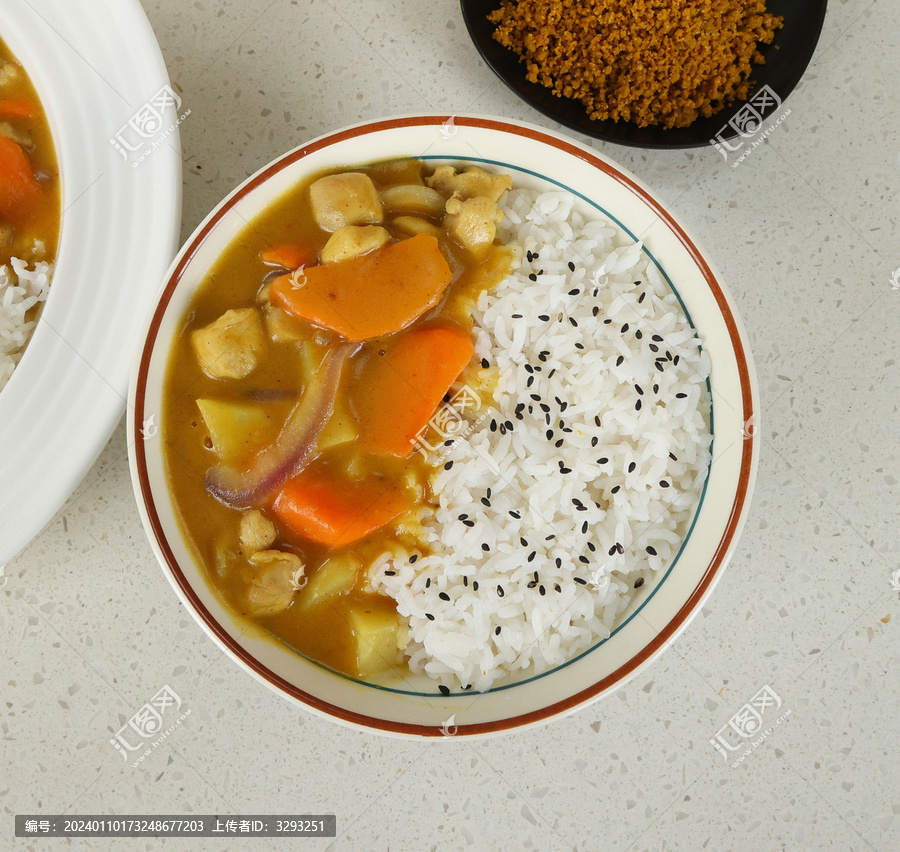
[21, 289]
[537, 545]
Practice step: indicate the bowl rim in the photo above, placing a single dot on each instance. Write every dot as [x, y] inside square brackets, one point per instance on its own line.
[662, 638]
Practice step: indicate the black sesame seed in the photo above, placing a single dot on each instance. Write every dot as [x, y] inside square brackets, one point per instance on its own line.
[532, 276]
[654, 347]
[556, 587]
[486, 502]
[594, 441]
[579, 346]
[624, 328]
[493, 425]
[531, 584]
[659, 366]
[544, 407]
[676, 359]
[549, 434]
[445, 690]
[485, 363]
[520, 407]
[583, 559]
[639, 334]
[508, 424]
[535, 397]
[390, 573]
[631, 467]
[591, 546]
[448, 465]
[612, 550]
[637, 406]
[657, 338]
[574, 292]
[673, 457]
[414, 558]
[485, 546]
[474, 585]
[429, 616]
[542, 590]
[596, 419]
[469, 523]
[532, 555]
[663, 483]
[517, 316]
[680, 396]
[565, 470]
[573, 321]
[620, 360]
[550, 374]
[615, 489]
[620, 548]
[584, 528]
[465, 580]
[543, 317]
[655, 388]
[530, 382]
[536, 578]
[542, 356]
[607, 322]
[595, 310]
[500, 592]
[515, 515]
[529, 256]
[604, 460]
[444, 596]
[468, 686]
[651, 550]
[497, 630]
[571, 266]
[580, 581]
[488, 492]
[462, 517]
[428, 582]
[502, 428]
[559, 443]
[639, 582]
[643, 296]
[558, 562]
[639, 389]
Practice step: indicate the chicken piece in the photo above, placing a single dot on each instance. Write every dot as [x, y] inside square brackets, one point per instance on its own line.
[347, 199]
[257, 532]
[282, 327]
[20, 137]
[473, 224]
[229, 347]
[272, 588]
[474, 182]
[8, 73]
[352, 241]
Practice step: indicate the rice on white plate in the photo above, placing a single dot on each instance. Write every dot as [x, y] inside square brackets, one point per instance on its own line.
[580, 479]
[21, 291]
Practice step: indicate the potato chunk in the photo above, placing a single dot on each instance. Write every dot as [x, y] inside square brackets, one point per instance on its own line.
[474, 182]
[352, 241]
[277, 578]
[237, 430]
[346, 199]
[378, 639]
[335, 576]
[257, 532]
[473, 224]
[229, 347]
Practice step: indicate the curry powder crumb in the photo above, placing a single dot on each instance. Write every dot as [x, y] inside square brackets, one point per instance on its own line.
[647, 61]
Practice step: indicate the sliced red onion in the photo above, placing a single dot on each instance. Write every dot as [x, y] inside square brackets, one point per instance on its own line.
[293, 448]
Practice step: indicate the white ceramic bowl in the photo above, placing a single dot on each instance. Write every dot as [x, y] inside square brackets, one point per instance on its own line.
[94, 63]
[662, 609]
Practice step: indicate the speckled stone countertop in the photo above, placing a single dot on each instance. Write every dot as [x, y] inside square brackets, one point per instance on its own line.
[805, 232]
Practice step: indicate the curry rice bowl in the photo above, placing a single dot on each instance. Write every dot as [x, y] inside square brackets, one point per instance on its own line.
[580, 480]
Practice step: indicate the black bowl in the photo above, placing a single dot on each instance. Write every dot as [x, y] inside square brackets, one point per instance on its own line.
[786, 60]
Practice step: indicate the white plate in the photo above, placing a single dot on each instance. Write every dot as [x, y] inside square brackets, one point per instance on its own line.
[663, 607]
[95, 64]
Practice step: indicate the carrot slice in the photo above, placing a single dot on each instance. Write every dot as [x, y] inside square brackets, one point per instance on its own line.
[19, 191]
[399, 391]
[16, 108]
[287, 256]
[367, 296]
[336, 512]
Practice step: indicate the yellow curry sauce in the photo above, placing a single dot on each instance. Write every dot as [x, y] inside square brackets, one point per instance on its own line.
[29, 174]
[265, 397]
